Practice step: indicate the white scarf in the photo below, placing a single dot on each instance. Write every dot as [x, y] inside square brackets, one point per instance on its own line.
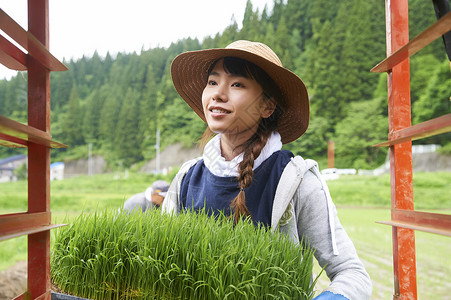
[217, 164]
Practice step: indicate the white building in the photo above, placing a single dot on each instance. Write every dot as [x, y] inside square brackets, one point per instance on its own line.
[9, 165]
[57, 171]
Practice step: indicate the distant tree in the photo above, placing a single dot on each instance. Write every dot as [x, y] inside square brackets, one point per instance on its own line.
[324, 10]
[107, 63]
[61, 86]
[295, 44]
[190, 44]
[229, 35]
[331, 45]
[313, 144]
[21, 172]
[283, 37]
[72, 123]
[189, 127]
[127, 142]
[251, 24]
[357, 56]
[263, 21]
[109, 118]
[92, 116]
[381, 92]
[96, 71]
[15, 97]
[148, 118]
[83, 77]
[435, 101]
[278, 11]
[298, 14]
[421, 16]
[3, 87]
[422, 69]
[209, 42]
[270, 38]
[324, 75]
[356, 134]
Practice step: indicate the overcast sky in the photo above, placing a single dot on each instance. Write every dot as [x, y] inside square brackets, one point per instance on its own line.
[79, 27]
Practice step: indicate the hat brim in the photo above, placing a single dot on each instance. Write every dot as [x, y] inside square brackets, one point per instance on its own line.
[189, 73]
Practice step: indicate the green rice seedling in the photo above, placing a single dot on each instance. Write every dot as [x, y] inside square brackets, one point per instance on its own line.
[190, 256]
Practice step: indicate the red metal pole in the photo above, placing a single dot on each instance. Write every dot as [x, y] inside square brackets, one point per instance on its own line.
[330, 154]
[404, 264]
[38, 155]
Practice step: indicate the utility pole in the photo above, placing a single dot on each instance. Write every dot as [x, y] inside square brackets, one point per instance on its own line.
[90, 166]
[157, 147]
[330, 154]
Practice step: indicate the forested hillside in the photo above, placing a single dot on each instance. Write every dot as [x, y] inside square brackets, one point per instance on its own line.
[117, 103]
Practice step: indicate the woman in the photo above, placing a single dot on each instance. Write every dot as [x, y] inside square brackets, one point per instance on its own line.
[254, 105]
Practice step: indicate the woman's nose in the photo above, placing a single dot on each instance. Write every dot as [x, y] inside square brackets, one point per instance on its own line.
[220, 94]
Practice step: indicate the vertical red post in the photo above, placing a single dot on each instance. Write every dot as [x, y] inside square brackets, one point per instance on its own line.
[38, 156]
[330, 154]
[404, 263]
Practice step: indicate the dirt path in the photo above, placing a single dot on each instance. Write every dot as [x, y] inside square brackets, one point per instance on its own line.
[13, 281]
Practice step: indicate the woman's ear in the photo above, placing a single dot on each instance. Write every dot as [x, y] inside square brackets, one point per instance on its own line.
[269, 107]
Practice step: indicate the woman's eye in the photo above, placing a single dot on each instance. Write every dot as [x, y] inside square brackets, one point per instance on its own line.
[238, 84]
[211, 82]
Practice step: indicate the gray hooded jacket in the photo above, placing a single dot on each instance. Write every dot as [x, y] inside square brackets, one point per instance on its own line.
[303, 207]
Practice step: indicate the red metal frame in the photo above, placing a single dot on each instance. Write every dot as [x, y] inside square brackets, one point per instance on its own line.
[422, 40]
[404, 218]
[36, 222]
[404, 262]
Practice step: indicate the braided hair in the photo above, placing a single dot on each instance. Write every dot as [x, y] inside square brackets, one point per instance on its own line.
[252, 147]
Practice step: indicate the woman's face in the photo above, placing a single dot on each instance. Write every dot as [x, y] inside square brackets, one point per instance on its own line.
[233, 104]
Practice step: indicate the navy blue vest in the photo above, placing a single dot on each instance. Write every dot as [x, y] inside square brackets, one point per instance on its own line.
[200, 188]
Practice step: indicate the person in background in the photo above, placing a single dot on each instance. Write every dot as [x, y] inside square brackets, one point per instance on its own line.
[252, 106]
[152, 197]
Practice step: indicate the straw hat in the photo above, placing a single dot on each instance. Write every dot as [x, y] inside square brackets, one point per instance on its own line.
[189, 72]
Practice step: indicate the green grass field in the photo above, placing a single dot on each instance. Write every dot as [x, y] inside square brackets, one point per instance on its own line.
[361, 201]
[373, 242]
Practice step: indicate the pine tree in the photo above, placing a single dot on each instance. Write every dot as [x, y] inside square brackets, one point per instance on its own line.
[358, 132]
[96, 71]
[72, 126]
[283, 37]
[230, 34]
[295, 45]
[248, 14]
[331, 45]
[422, 69]
[148, 120]
[270, 38]
[357, 56]
[422, 16]
[326, 73]
[314, 142]
[127, 142]
[323, 10]
[109, 117]
[435, 101]
[251, 24]
[92, 116]
[277, 12]
[61, 86]
[298, 14]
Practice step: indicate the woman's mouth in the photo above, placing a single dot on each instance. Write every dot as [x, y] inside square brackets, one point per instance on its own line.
[218, 111]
